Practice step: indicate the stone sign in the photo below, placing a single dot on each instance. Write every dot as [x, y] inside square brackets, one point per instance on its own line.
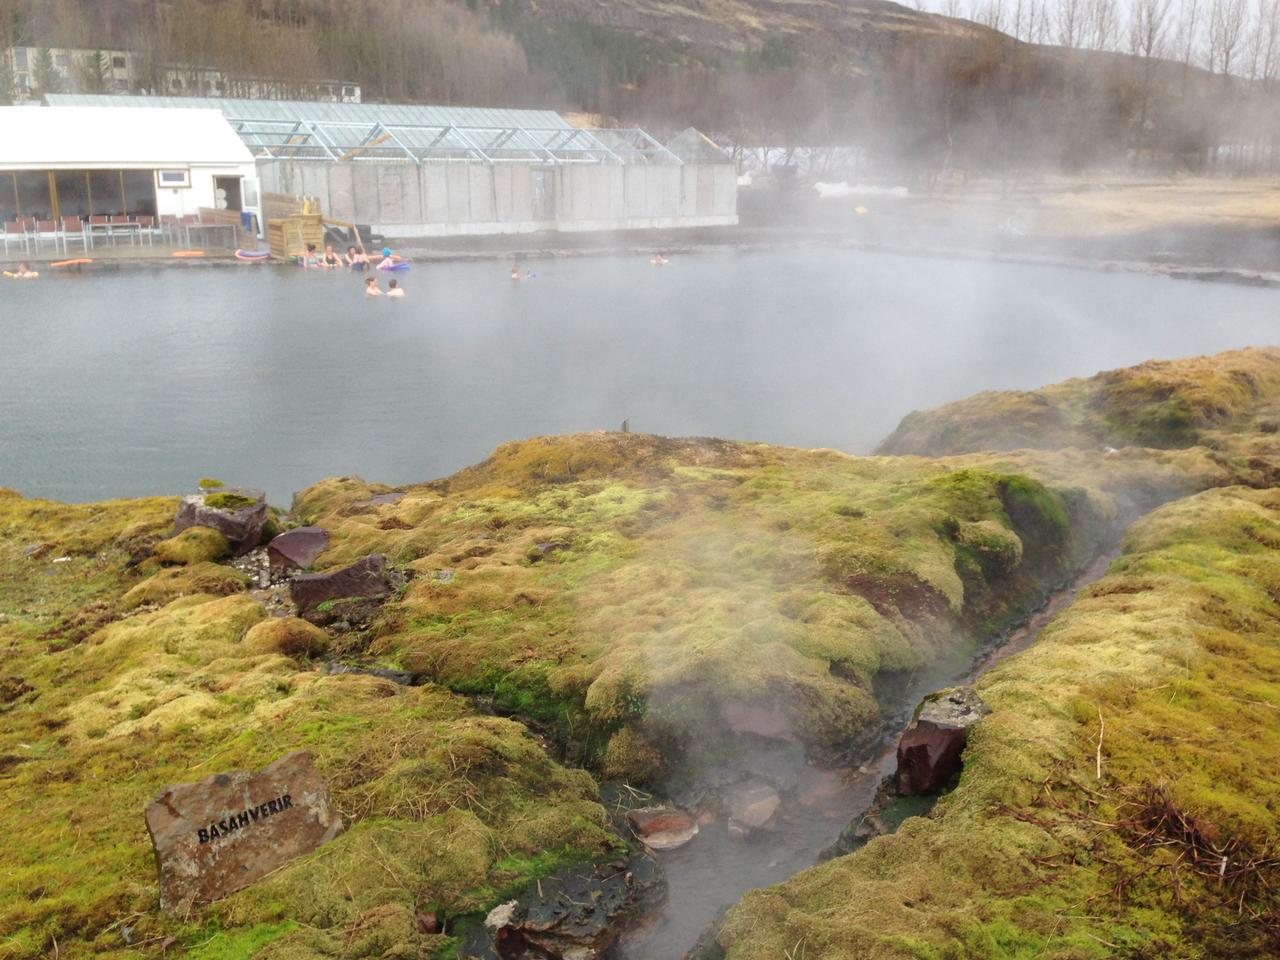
[222, 833]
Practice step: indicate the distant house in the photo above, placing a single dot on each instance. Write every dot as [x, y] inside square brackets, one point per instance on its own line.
[89, 161]
[122, 71]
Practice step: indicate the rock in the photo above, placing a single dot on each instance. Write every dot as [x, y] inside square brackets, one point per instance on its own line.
[289, 636]
[662, 828]
[540, 551]
[384, 498]
[402, 677]
[297, 549]
[751, 808]
[240, 522]
[429, 923]
[930, 748]
[576, 913]
[367, 577]
[223, 833]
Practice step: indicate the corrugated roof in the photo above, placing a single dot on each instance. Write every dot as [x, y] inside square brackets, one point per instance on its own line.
[80, 138]
[358, 113]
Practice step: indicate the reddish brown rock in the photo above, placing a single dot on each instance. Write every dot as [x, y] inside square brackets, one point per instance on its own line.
[242, 526]
[297, 549]
[751, 808]
[222, 833]
[662, 828]
[929, 753]
[367, 577]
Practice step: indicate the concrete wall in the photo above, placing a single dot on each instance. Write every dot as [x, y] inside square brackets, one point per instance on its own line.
[449, 199]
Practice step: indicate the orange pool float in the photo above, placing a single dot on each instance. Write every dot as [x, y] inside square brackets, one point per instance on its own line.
[70, 263]
[188, 253]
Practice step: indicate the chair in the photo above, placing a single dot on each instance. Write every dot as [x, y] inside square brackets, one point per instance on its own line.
[47, 230]
[15, 232]
[73, 232]
[146, 228]
[126, 226]
[100, 220]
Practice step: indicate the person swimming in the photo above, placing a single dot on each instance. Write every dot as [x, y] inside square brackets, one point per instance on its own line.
[311, 260]
[357, 259]
[331, 260]
[395, 290]
[658, 260]
[515, 272]
[23, 272]
[371, 287]
[389, 259]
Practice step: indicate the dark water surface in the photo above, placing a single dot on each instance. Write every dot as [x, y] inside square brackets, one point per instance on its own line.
[139, 382]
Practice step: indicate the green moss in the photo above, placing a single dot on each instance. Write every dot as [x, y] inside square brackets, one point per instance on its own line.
[1177, 650]
[195, 578]
[228, 501]
[238, 944]
[209, 483]
[191, 546]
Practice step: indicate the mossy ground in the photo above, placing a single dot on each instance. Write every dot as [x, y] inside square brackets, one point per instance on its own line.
[622, 592]
[1175, 657]
[445, 810]
[624, 585]
[1166, 404]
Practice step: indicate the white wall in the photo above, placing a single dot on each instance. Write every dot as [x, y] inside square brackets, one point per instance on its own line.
[180, 201]
[455, 199]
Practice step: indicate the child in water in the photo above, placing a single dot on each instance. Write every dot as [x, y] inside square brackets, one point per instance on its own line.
[371, 287]
[24, 272]
[395, 290]
[515, 272]
[389, 259]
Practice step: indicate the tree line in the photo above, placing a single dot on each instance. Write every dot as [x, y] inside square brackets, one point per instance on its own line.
[1162, 85]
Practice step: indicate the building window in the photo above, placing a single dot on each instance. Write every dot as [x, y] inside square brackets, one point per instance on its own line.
[118, 63]
[19, 58]
[122, 84]
[173, 178]
[60, 59]
[24, 83]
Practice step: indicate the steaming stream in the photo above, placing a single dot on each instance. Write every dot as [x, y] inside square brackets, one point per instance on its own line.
[713, 871]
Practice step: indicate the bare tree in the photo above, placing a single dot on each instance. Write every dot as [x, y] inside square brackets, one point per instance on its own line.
[1226, 25]
[1101, 26]
[1070, 23]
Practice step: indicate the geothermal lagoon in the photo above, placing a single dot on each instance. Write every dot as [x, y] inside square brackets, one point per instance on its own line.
[138, 382]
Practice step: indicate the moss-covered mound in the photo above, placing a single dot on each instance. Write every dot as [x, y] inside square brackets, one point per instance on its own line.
[193, 545]
[1121, 799]
[619, 585]
[103, 702]
[1166, 404]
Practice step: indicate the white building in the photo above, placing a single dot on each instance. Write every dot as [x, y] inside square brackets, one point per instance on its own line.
[83, 161]
[122, 71]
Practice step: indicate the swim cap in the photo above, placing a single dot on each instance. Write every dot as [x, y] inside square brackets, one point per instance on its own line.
[386, 251]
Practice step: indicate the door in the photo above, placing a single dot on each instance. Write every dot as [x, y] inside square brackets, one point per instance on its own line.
[227, 193]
